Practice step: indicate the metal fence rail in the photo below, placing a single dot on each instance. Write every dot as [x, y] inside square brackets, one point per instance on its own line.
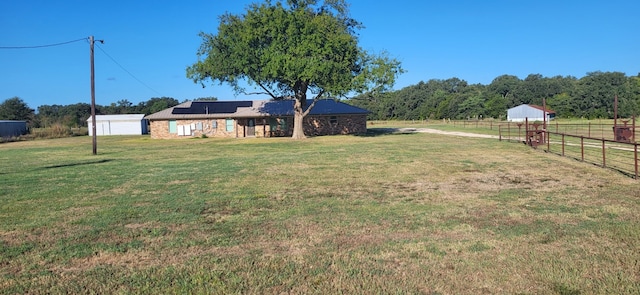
[605, 152]
[596, 129]
[619, 156]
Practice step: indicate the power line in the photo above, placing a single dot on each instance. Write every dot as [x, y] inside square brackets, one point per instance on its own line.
[130, 74]
[83, 39]
[42, 46]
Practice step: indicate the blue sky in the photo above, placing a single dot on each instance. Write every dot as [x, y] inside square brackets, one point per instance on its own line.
[155, 40]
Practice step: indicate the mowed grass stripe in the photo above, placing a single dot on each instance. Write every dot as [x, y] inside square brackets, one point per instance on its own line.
[410, 213]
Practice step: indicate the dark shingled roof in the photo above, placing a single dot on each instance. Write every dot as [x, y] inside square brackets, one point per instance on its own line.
[322, 107]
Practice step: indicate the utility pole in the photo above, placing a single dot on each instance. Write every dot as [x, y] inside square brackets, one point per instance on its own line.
[93, 98]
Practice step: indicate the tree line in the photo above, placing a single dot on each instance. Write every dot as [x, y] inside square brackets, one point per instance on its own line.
[76, 115]
[591, 96]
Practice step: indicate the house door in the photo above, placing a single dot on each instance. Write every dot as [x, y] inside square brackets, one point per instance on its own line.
[251, 127]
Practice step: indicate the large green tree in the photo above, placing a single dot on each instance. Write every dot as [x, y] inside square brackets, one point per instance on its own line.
[506, 86]
[16, 109]
[292, 49]
[596, 92]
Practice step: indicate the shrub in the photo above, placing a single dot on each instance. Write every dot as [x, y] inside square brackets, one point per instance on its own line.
[55, 131]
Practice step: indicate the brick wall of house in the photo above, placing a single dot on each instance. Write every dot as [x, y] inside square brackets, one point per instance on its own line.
[193, 128]
[314, 125]
[159, 129]
[332, 125]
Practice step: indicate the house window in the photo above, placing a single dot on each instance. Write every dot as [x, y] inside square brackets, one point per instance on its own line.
[214, 124]
[278, 124]
[173, 126]
[333, 120]
[229, 123]
[199, 126]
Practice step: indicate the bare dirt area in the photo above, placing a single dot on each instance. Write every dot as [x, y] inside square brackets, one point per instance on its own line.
[435, 131]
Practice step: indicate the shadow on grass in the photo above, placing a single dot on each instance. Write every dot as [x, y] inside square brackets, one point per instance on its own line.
[56, 166]
[373, 132]
[78, 164]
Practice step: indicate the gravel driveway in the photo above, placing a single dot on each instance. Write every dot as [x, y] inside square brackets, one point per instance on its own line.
[429, 130]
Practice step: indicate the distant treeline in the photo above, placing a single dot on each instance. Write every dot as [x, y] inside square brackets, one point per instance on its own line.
[76, 115]
[589, 97]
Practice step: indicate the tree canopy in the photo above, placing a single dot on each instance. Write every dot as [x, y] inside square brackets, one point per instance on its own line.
[16, 109]
[75, 115]
[291, 49]
[589, 97]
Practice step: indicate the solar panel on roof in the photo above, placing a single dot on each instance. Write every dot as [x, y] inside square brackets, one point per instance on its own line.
[212, 107]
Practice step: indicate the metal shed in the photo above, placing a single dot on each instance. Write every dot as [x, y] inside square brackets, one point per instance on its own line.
[530, 112]
[11, 128]
[129, 124]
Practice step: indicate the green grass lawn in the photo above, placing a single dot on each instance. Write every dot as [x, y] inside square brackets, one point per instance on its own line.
[405, 213]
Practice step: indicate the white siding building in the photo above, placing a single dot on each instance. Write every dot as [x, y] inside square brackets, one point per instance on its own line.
[531, 112]
[129, 124]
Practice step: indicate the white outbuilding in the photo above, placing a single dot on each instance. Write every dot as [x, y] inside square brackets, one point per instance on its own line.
[529, 112]
[128, 124]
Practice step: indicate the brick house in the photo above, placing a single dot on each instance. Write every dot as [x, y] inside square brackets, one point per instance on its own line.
[258, 118]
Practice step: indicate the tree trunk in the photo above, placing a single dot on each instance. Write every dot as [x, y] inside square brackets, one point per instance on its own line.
[298, 110]
[298, 118]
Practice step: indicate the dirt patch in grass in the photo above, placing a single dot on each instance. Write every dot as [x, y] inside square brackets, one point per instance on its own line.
[15, 237]
[128, 259]
[177, 182]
